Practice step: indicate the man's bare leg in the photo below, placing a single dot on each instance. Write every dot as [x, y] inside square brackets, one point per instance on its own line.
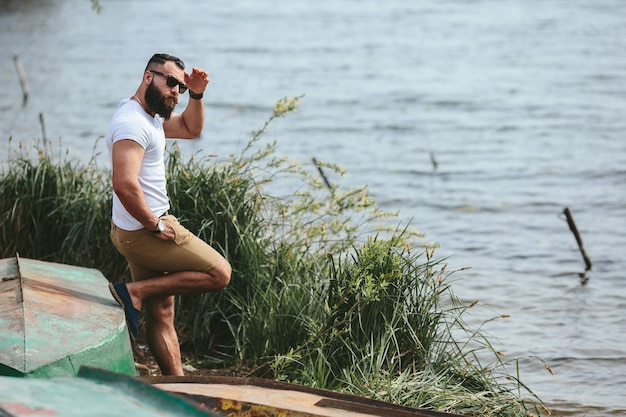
[161, 335]
[158, 296]
[180, 283]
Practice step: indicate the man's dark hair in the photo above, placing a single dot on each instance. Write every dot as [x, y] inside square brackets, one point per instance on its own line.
[163, 58]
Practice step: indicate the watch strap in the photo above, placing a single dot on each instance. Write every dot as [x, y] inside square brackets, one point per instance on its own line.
[195, 96]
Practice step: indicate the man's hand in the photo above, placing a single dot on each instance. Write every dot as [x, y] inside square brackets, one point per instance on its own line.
[197, 80]
[168, 234]
[189, 124]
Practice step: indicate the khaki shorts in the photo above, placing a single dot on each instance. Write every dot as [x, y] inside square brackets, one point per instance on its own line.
[149, 256]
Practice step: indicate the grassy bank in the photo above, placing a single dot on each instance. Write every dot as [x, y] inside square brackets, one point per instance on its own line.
[324, 292]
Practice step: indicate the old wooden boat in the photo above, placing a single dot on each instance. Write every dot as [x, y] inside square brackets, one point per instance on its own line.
[231, 396]
[97, 392]
[93, 392]
[55, 318]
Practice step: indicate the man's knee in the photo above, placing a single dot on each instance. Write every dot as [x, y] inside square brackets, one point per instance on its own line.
[221, 273]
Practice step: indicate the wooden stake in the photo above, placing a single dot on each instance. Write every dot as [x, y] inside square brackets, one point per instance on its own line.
[319, 169]
[22, 76]
[574, 229]
[433, 161]
[43, 126]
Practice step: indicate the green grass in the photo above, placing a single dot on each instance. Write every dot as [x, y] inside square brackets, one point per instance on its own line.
[327, 289]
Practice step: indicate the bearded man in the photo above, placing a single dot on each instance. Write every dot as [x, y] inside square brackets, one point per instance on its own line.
[165, 259]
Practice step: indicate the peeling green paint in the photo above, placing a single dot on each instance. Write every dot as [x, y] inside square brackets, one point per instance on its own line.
[55, 318]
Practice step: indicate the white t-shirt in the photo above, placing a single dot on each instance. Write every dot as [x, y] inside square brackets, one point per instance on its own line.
[130, 121]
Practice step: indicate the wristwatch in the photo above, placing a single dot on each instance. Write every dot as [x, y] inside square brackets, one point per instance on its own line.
[196, 96]
[160, 227]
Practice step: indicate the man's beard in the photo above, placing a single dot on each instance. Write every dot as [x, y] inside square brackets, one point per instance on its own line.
[158, 102]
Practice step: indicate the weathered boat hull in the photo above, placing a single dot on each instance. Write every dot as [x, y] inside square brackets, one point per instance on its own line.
[103, 393]
[93, 392]
[55, 318]
[261, 397]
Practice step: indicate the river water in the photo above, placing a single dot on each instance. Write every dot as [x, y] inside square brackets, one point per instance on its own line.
[521, 103]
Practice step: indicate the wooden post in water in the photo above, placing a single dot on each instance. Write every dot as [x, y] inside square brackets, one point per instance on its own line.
[433, 161]
[43, 127]
[574, 229]
[319, 169]
[22, 76]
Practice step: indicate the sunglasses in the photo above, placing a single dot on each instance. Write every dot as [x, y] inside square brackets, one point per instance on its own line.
[172, 81]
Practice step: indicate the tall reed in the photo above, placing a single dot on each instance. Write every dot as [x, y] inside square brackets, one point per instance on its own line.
[55, 209]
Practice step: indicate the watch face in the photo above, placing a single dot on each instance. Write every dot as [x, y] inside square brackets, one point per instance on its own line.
[161, 226]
